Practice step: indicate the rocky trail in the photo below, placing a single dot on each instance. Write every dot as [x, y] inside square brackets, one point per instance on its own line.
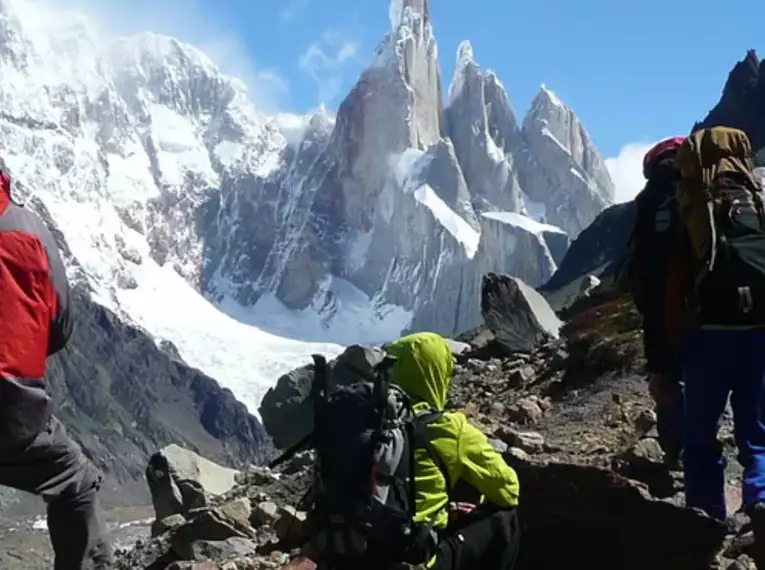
[574, 419]
[571, 415]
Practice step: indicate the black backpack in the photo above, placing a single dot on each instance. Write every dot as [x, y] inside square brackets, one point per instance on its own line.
[362, 501]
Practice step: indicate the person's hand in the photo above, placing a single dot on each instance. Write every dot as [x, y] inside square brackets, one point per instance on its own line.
[658, 387]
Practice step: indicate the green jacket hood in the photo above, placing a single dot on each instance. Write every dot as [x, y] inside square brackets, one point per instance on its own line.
[424, 367]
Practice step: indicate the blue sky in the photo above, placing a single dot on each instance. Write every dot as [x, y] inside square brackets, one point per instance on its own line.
[634, 72]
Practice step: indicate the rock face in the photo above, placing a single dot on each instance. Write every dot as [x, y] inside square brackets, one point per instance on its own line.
[482, 125]
[742, 104]
[561, 168]
[596, 252]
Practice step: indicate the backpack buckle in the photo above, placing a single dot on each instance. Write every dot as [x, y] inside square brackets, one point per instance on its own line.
[745, 300]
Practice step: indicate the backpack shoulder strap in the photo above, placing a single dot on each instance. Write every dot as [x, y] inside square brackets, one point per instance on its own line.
[421, 439]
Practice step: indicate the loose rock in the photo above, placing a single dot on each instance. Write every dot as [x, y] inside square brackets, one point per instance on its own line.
[291, 527]
[166, 524]
[525, 411]
[521, 376]
[266, 512]
[223, 549]
[499, 445]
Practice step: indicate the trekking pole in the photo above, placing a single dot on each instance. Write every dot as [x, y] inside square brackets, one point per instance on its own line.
[318, 388]
[303, 443]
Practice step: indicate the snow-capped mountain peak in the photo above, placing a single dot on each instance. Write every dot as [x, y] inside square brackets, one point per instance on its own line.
[563, 168]
[404, 12]
[126, 145]
[465, 64]
[190, 212]
[546, 97]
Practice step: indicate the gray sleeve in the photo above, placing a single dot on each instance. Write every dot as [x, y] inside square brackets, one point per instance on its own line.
[61, 325]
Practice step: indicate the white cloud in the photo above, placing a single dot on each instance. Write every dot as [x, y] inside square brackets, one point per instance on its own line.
[292, 9]
[626, 170]
[268, 88]
[324, 61]
[199, 26]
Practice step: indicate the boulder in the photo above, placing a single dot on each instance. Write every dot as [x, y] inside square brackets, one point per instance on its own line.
[596, 519]
[457, 347]
[209, 525]
[287, 408]
[180, 480]
[165, 494]
[519, 317]
[214, 479]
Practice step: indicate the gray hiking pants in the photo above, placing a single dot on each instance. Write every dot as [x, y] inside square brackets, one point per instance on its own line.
[53, 467]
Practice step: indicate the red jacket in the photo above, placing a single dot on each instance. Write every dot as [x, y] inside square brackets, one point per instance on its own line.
[34, 315]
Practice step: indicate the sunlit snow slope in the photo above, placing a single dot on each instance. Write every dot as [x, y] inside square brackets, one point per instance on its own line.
[117, 144]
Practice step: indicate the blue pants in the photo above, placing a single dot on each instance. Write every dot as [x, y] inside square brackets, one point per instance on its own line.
[719, 363]
[670, 417]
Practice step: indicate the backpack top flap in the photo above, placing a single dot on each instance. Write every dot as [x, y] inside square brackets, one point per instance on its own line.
[703, 159]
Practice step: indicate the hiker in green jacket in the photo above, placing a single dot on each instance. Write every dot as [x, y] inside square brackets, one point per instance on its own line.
[487, 538]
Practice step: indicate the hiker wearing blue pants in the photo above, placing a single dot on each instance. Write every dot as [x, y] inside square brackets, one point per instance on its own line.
[721, 208]
[719, 363]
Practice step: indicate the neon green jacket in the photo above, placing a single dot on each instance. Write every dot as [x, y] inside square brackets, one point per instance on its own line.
[424, 369]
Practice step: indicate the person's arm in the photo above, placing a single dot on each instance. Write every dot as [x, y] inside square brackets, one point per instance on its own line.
[61, 323]
[484, 469]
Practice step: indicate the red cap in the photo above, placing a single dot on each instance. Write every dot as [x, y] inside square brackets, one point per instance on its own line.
[659, 150]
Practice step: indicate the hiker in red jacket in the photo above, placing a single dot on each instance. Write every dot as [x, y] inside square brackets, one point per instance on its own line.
[656, 281]
[36, 454]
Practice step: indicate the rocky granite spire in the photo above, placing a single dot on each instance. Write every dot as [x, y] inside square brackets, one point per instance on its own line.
[478, 111]
[561, 167]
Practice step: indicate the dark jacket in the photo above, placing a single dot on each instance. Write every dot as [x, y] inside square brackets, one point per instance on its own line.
[656, 272]
[34, 317]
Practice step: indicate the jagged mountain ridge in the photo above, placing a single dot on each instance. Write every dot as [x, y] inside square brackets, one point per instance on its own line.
[742, 103]
[152, 163]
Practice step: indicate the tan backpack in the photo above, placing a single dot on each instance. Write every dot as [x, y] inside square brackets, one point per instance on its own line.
[721, 209]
